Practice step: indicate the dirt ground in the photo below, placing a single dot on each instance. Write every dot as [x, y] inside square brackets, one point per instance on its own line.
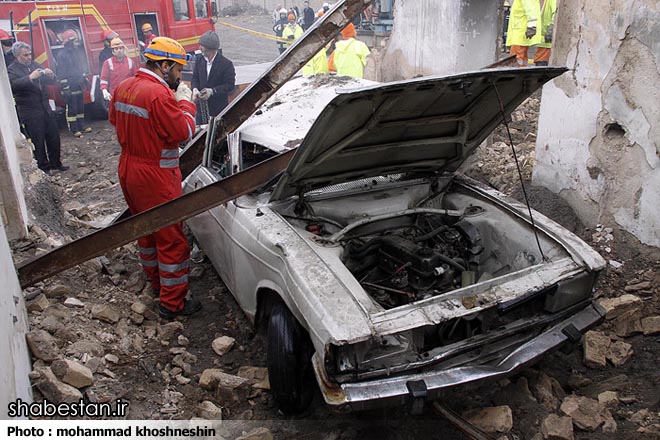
[148, 373]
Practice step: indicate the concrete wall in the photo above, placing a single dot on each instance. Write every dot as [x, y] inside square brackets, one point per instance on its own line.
[433, 37]
[598, 141]
[14, 382]
[14, 211]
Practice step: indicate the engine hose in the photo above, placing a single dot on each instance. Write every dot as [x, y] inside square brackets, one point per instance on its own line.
[431, 234]
[366, 248]
[451, 262]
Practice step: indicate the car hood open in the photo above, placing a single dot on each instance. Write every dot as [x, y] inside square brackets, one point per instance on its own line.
[422, 125]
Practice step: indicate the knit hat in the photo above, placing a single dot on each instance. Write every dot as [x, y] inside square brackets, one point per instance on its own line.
[348, 31]
[291, 17]
[210, 40]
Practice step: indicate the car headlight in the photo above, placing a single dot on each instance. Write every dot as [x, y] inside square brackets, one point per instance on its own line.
[570, 291]
[376, 353]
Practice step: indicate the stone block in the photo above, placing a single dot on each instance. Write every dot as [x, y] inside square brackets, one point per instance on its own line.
[72, 372]
[555, 427]
[491, 419]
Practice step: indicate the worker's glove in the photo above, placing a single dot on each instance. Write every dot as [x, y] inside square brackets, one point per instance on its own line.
[205, 94]
[183, 92]
[195, 95]
[289, 37]
[549, 32]
[106, 95]
[530, 32]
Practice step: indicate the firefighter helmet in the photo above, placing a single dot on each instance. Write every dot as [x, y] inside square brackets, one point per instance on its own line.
[4, 35]
[283, 11]
[68, 35]
[147, 27]
[108, 34]
[116, 42]
[164, 48]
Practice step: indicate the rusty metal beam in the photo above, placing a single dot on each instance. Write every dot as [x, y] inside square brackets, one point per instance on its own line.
[146, 222]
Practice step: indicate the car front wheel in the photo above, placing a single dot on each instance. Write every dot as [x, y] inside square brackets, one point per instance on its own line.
[289, 361]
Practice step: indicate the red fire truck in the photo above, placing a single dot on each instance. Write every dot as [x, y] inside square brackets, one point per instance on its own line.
[41, 24]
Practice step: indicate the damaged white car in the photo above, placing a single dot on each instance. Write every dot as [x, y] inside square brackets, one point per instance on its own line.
[376, 268]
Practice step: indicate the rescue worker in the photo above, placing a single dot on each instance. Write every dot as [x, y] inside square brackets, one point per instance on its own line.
[350, 54]
[116, 69]
[523, 20]
[7, 41]
[543, 38]
[292, 31]
[106, 53]
[319, 64]
[278, 28]
[213, 78]
[153, 113]
[29, 83]
[72, 82]
[148, 34]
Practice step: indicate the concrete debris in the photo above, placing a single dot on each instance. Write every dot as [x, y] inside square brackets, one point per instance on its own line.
[628, 323]
[617, 306]
[57, 290]
[555, 427]
[209, 411]
[640, 417]
[42, 345]
[182, 380]
[608, 397]
[105, 312]
[167, 331]
[596, 345]
[196, 272]
[257, 434]
[223, 344]
[38, 304]
[72, 372]
[182, 341]
[491, 419]
[74, 303]
[95, 364]
[85, 346]
[53, 389]
[644, 285]
[258, 376]
[615, 264]
[651, 325]
[619, 352]
[587, 414]
[210, 378]
[136, 281]
[548, 391]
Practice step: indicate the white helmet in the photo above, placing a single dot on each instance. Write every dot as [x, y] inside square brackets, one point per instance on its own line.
[283, 11]
[326, 5]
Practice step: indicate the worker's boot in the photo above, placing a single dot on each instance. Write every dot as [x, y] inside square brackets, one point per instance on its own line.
[190, 306]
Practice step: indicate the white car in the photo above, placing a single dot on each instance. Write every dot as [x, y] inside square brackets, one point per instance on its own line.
[377, 269]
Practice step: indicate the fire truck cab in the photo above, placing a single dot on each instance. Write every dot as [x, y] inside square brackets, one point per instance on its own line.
[41, 24]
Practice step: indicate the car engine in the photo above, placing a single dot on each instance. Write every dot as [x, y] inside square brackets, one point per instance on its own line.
[420, 257]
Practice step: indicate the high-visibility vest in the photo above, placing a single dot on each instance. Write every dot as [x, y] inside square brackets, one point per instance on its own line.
[350, 57]
[524, 13]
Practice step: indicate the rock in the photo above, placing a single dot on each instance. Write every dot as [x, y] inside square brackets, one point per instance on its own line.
[105, 312]
[189, 357]
[627, 400]
[610, 424]
[617, 306]
[73, 303]
[53, 389]
[223, 344]
[38, 304]
[628, 323]
[85, 346]
[576, 381]
[167, 331]
[544, 388]
[644, 285]
[492, 419]
[651, 325]
[196, 272]
[182, 341]
[608, 397]
[257, 434]
[137, 319]
[43, 345]
[258, 376]
[555, 427]
[95, 364]
[72, 372]
[51, 324]
[210, 378]
[595, 349]
[57, 290]
[182, 380]
[209, 411]
[587, 414]
[640, 416]
[136, 281]
[138, 307]
[619, 352]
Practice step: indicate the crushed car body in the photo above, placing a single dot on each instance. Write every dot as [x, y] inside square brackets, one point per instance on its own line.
[376, 267]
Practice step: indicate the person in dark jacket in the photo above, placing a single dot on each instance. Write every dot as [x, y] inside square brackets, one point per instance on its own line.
[308, 16]
[279, 26]
[29, 84]
[72, 82]
[7, 41]
[214, 77]
[106, 53]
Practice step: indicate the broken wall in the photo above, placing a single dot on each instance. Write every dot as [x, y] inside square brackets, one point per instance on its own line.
[440, 37]
[598, 141]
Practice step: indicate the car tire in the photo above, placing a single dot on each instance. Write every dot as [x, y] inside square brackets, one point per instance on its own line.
[289, 361]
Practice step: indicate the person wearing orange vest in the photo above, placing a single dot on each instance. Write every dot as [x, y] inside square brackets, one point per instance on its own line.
[116, 69]
[153, 113]
[350, 55]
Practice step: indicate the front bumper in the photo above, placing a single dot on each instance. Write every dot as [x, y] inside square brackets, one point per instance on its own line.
[405, 389]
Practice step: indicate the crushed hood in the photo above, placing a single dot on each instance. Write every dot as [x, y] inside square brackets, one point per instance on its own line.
[423, 125]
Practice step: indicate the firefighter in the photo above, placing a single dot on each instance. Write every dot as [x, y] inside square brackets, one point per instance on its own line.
[292, 31]
[72, 82]
[350, 55]
[7, 40]
[116, 69]
[153, 113]
[278, 28]
[106, 37]
[148, 34]
[522, 28]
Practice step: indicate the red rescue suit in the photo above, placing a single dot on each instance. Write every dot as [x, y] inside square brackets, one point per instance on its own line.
[150, 124]
[114, 71]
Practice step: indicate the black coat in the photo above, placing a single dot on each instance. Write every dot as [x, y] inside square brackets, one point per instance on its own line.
[31, 96]
[308, 17]
[70, 67]
[222, 80]
[9, 58]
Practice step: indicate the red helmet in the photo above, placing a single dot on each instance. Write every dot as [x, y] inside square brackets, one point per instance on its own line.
[108, 34]
[68, 35]
[4, 35]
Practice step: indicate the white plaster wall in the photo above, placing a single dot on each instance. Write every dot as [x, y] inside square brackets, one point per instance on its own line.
[432, 37]
[14, 382]
[608, 174]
